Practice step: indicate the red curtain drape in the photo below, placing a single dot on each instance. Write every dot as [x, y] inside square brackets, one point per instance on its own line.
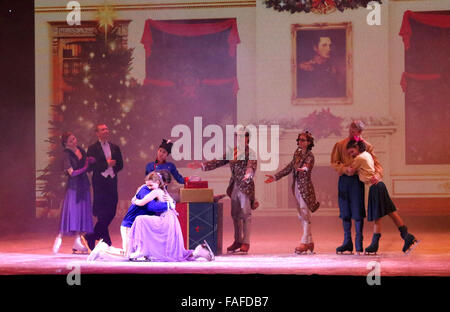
[186, 29]
[425, 82]
[435, 20]
[182, 29]
[422, 77]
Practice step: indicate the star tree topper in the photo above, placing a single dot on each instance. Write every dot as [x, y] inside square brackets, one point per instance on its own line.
[105, 17]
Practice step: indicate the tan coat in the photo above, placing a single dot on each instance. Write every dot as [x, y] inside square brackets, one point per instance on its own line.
[304, 182]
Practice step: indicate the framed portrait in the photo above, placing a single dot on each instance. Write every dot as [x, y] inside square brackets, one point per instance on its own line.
[322, 64]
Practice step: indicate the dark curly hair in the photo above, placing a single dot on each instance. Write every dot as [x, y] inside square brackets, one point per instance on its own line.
[309, 138]
[361, 146]
[358, 144]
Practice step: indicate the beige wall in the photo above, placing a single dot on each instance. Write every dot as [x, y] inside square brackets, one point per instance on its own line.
[370, 59]
[264, 74]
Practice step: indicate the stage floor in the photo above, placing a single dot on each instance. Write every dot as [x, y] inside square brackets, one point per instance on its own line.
[271, 252]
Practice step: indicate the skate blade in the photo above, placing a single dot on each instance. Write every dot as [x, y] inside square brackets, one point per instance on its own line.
[304, 253]
[370, 253]
[412, 247]
[140, 259]
[79, 252]
[344, 253]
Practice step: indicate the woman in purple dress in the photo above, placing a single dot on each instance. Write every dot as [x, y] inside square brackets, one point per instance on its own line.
[76, 212]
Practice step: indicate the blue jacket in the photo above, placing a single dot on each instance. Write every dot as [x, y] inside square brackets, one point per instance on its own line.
[154, 166]
[152, 208]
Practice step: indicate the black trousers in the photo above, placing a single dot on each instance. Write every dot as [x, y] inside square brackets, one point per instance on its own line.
[104, 207]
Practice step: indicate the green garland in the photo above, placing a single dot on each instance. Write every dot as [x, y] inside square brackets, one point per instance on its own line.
[316, 6]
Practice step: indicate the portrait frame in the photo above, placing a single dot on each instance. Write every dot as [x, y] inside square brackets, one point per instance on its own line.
[344, 93]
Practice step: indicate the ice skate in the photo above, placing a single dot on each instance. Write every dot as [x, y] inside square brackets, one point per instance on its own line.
[373, 247]
[204, 251]
[304, 248]
[234, 247]
[345, 249]
[244, 248]
[410, 243]
[97, 251]
[57, 244]
[78, 247]
[139, 259]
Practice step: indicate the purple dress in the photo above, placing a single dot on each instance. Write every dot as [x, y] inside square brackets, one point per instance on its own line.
[76, 213]
[158, 238]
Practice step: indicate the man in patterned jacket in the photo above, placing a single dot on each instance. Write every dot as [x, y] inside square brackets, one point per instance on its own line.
[301, 168]
[241, 190]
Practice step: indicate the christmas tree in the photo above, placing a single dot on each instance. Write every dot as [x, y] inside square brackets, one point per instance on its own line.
[102, 92]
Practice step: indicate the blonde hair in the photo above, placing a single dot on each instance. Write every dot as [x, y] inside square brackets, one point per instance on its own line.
[155, 177]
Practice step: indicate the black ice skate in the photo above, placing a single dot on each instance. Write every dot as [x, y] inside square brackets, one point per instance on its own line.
[344, 248]
[410, 243]
[373, 247]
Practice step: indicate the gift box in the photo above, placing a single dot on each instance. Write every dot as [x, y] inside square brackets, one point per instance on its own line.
[196, 184]
[201, 195]
[199, 222]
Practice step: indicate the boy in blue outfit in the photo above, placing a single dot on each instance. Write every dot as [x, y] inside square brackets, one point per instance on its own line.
[161, 164]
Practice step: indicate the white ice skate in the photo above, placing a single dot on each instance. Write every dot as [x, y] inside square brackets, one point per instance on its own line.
[97, 251]
[204, 251]
[57, 244]
[78, 247]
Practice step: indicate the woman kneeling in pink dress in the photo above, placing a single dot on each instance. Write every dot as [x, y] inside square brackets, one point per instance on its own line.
[157, 237]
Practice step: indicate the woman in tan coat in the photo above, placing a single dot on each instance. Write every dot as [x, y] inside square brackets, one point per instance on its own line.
[301, 167]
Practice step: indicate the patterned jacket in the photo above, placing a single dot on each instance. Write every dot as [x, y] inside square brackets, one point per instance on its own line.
[305, 186]
[238, 165]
